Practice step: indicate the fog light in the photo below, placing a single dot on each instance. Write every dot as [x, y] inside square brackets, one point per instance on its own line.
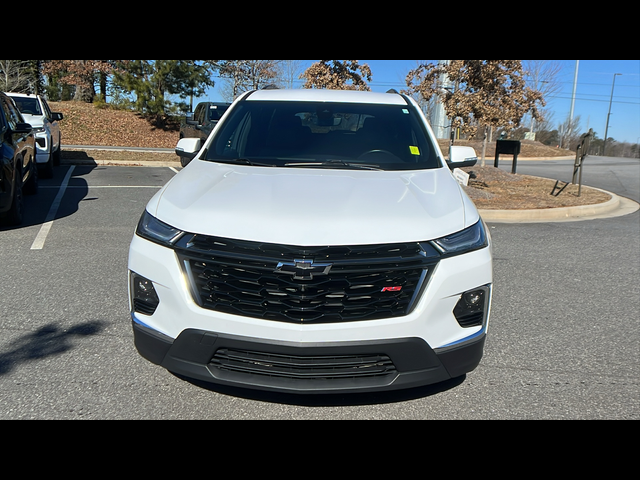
[143, 295]
[473, 298]
[471, 309]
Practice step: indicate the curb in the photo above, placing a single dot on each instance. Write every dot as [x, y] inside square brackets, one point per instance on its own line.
[616, 207]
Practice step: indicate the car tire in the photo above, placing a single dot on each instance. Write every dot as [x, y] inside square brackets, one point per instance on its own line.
[47, 168]
[16, 212]
[57, 155]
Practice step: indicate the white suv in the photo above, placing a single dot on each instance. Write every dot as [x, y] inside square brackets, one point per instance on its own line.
[36, 112]
[317, 243]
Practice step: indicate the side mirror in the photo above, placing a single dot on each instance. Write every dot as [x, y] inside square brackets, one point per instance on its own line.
[462, 157]
[23, 128]
[56, 116]
[188, 147]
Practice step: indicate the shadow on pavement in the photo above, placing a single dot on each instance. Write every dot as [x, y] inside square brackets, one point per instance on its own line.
[47, 341]
[36, 207]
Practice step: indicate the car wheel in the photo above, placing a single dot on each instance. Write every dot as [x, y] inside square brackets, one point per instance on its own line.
[57, 155]
[47, 168]
[15, 214]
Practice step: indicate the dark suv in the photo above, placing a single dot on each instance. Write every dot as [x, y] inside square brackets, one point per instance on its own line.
[18, 171]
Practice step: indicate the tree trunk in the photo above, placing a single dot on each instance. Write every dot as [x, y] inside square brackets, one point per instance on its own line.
[84, 94]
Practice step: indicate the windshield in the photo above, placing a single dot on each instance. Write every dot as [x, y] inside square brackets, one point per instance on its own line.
[28, 105]
[322, 134]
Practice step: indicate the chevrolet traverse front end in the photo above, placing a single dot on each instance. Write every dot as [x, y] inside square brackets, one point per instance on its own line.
[317, 243]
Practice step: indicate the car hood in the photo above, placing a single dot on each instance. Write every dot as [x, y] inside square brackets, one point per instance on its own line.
[33, 120]
[299, 206]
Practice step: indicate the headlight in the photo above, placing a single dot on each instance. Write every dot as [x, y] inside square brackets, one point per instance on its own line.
[467, 240]
[153, 229]
[38, 129]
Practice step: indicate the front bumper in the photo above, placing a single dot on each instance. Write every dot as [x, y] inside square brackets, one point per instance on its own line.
[43, 148]
[345, 367]
[424, 347]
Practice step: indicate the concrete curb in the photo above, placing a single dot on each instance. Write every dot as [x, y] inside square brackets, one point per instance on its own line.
[615, 207]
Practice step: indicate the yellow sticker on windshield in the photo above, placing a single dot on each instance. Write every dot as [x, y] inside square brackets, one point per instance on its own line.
[414, 150]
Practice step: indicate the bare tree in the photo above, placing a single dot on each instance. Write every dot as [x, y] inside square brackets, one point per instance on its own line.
[243, 75]
[14, 76]
[542, 76]
[289, 72]
[568, 133]
[489, 93]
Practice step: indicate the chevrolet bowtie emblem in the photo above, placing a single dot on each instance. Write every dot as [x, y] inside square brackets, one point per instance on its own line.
[303, 269]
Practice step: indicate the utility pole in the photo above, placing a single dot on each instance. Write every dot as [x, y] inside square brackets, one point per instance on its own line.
[573, 96]
[606, 130]
[439, 118]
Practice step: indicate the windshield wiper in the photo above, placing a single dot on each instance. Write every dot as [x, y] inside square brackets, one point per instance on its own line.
[246, 161]
[334, 163]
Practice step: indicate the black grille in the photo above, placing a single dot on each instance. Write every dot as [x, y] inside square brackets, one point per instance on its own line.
[302, 367]
[144, 307]
[292, 284]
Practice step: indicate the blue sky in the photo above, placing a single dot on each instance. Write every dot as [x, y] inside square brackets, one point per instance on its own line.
[595, 78]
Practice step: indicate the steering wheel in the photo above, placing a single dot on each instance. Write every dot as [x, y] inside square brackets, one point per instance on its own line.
[378, 151]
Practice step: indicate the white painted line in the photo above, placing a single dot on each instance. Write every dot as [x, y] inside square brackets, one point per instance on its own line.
[171, 168]
[38, 243]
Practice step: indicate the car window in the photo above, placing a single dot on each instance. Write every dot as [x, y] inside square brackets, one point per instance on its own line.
[47, 110]
[28, 105]
[389, 137]
[216, 112]
[197, 115]
[12, 115]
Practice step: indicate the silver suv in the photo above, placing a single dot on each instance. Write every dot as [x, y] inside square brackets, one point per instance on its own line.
[36, 112]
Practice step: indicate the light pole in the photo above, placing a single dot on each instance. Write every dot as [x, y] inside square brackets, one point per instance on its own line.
[606, 130]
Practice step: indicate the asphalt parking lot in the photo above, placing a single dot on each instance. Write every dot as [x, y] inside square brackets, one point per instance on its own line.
[563, 339]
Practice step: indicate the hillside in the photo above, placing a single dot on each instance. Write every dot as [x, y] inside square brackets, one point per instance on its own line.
[86, 124]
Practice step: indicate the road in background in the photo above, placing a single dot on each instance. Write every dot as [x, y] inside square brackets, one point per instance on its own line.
[618, 175]
[563, 339]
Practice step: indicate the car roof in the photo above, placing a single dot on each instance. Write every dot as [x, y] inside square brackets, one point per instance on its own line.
[324, 95]
[14, 94]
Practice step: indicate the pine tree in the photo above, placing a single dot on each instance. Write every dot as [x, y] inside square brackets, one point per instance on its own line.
[152, 80]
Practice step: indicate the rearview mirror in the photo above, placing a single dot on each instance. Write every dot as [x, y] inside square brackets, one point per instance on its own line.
[462, 157]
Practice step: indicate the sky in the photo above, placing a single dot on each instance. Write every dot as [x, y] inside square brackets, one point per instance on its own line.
[592, 97]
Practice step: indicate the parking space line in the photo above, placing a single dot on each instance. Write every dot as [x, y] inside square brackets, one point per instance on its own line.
[38, 243]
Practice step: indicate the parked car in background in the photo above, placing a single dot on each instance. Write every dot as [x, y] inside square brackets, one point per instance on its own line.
[18, 171]
[200, 123]
[36, 111]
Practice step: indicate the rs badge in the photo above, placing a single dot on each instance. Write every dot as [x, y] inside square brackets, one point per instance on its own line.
[391, 289]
